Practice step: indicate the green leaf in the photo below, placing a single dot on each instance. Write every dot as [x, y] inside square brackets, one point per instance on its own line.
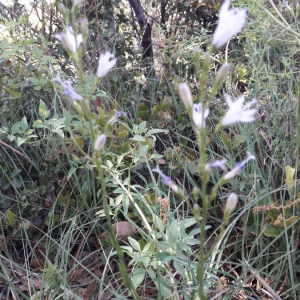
[138, 138]
[71, 172]
[179, 267]
[5, 43]
[134, 243]
[138, 276]
[271, 230]
[59, 132]
[153, 131]
[173, 231]
[125, 202]
[288, 222]
[156, 156]
[289, 173]
[237, 140]
[37, 123]
[44, 113]
[34, 80]
[17, 128]
[20, 141]
[24, 124]
[10, 217]
[13, 93]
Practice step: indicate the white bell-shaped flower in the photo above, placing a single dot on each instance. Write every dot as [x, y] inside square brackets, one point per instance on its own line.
[105, 63]
[198, 115]
[237, 112]
[231, 22]
[68, 39]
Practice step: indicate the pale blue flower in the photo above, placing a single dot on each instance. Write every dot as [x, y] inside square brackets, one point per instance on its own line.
[166, 180]
[68, 89]
[216, 164]
[239, 166]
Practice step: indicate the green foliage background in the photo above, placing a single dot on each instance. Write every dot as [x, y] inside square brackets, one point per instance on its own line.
[52, 223]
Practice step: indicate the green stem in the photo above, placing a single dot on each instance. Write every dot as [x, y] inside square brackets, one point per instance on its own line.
[127, 281]
[204, 178]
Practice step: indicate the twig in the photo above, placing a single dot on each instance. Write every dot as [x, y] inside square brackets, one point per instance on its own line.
[263, 282]
[17, 151]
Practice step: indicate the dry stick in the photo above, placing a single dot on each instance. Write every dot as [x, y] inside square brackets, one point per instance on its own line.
[263, 282]
[17, 151]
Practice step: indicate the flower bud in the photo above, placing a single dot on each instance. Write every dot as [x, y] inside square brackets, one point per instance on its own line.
[84, 28]
[196, 211]
[186, 95]
[222, 74]
[77, 2]
[100, 142]
[231, 204]
[62, 9]
[196, 54]
[206, 61]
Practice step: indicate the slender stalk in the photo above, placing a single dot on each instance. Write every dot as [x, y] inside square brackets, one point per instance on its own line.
[204, 179]
[122, 267]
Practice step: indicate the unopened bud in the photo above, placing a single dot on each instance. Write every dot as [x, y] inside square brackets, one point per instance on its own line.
[206, 61]
[186, 95]
[195, 193]
[196, 211]
[100, 142]
[231, 204]
[62, 9]
[84, 28]
[77, 2]
[220, 78]
[222, 73]
[196, 54]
